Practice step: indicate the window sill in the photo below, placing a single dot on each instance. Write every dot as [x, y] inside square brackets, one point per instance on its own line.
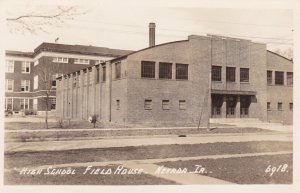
[245, 82]
[25, 72]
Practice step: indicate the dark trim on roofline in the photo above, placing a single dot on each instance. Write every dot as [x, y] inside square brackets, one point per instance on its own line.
[125, 56]
[291, 60]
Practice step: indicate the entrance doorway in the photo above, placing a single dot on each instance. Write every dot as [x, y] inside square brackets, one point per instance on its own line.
[231, 101]
[216, 101]
[245, 104]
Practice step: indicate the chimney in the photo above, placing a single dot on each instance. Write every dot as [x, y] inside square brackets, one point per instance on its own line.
[151, 34]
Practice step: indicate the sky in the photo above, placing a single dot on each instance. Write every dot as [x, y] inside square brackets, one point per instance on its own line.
[124, 24]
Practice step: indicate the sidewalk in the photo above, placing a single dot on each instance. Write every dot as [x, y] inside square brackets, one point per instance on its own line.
[140, 141]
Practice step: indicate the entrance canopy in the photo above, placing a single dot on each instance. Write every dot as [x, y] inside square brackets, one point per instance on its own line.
[235, 92]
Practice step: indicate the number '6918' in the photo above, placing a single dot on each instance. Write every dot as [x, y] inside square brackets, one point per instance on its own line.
[279, 169]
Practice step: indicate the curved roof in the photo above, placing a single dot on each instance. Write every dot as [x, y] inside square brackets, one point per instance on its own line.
[280, 56]
[125, 56]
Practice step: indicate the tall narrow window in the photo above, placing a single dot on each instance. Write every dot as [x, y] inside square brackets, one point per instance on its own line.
[8, 103]
[53, 79]
[118, 104]
[25, 85]
[103, 73]
[268, 106]
[91, 76]
[118, 70]
[9, 66]
[279, 78]
[244, 74]
[289, 77]
[182, 105]
[52, 102]
[35, 82]
[9, 85]
[182, 71]
[148, 104]
[148, 69]
[269, 77]
[165, 70]
[25, 67]
[97, 74]
[279, 106]
[216, 73]
[230, 74]
[165, 104]
[291, 106]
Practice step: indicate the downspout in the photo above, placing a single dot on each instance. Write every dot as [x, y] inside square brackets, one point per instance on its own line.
[110, 89]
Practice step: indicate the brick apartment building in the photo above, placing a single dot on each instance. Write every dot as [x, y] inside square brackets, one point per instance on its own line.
[181, 82]
[29, 75]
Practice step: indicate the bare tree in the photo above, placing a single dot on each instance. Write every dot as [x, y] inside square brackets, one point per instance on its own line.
[34, 21]
[47, 82]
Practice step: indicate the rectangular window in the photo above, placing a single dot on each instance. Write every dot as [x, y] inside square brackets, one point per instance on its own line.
[118, 70]
[230, 74]
[52, 102]
[25, 85]
[97, 74]
[53, 79]
[216, 73]
[148, 69]
[117, 104]
[75, 80]
[8, 103]
[35, 104]
[9, 85]
[268, 106]
[60, 60]
[279, 106]
[244, 74]
[291, 106]
[25, 67]
[289, 78]
[103, 73]
[85, 77]
[81, 61]
[269, 77]
[91, 76]
[24, 103]
[35, 82]
[182, 105]
[182, 71]
[165, 70]
[279, 78]
[165, 104]
[9, 66]
[148, 104]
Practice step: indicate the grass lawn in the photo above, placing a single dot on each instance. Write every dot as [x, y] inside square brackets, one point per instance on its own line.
[26, 159]
[245, 170]
[98, 133]
[14, 178]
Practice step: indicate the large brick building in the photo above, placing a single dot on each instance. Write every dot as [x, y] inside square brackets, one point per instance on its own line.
[30, 77]
[182, 82]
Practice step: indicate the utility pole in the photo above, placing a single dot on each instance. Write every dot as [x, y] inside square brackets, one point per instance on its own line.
[209, 101]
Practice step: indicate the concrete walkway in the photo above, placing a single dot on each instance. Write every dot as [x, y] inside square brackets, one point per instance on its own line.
[140, 141]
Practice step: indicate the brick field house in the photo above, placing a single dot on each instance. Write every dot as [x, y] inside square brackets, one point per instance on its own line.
[182, 83]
